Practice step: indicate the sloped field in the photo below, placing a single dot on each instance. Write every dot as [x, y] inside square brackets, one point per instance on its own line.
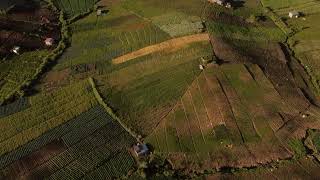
[228, 117]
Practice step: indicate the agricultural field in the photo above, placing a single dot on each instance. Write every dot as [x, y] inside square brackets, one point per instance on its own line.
[227, 110]
[62, 132]
[212, 92]
[73, 8]
[305, 40]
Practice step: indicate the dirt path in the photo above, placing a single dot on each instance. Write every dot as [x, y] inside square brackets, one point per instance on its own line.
[176, 43]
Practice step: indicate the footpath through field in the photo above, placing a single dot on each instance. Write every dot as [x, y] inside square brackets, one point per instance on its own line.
[176, 43]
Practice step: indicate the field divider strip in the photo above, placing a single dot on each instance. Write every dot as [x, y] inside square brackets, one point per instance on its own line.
[108, 109]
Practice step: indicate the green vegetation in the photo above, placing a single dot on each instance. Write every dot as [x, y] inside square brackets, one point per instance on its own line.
[73, 8]
[304, 42]
[150, 86]
[101, 39]
[250, 33]
[45, 113]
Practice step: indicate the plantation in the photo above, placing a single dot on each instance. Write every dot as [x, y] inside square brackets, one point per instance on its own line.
[107, 37]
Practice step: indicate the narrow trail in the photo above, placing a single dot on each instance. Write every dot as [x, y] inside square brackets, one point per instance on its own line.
[176, 43]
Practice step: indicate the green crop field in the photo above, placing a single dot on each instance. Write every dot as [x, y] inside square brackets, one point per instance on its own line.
[71, 121]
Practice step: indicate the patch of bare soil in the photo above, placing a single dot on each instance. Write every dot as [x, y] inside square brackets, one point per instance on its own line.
[56, 79]
[176, 43]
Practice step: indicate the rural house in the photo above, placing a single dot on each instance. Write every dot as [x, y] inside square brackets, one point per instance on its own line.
[140, 149]
[294, 14]
[49, 41]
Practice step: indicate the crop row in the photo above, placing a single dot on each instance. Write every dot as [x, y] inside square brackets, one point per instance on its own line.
[117, 166]
[91, 138]
[24, 126]
[50, 135]
[14, 107]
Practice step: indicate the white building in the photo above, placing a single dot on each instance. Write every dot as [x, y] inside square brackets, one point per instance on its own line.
[16, 50]
[294, 14]
[49, 41]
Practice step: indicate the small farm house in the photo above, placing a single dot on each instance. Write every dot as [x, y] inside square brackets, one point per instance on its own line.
[294, 14]
[49, 41]
[140, 149]
[16, 50]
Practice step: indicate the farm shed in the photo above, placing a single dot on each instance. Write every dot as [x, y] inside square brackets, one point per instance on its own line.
[140, 149]
[294, 14]
[49, 41]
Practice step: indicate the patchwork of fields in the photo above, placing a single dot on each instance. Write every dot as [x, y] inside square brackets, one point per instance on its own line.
[212, 91]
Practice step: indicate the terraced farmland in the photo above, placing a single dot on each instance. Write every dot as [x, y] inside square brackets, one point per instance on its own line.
[227, 111]
[64, 134]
